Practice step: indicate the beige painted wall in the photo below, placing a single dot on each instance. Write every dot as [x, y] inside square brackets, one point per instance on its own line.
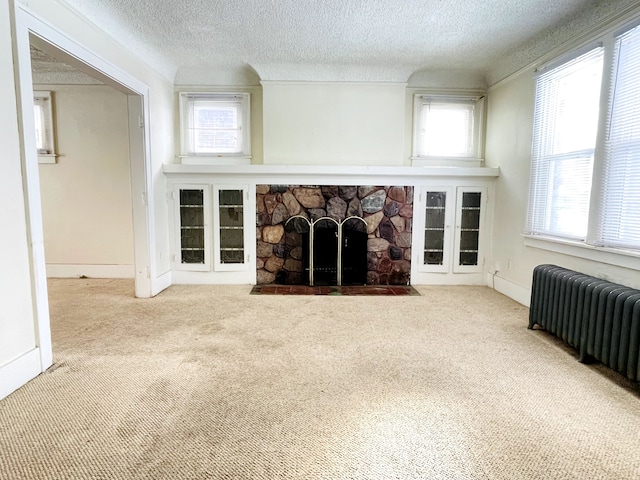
[17, 322]
[161, 118]
[86, 199]
[508, 146]
[318, 123]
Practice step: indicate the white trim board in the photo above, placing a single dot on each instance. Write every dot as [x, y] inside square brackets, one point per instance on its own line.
[58, 270]
[19, 371]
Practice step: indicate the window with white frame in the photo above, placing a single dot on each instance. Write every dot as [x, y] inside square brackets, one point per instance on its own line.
[618, 219]
[215, 124]
[575, 143]
[43, 116]
[564, 139]
[447, 127]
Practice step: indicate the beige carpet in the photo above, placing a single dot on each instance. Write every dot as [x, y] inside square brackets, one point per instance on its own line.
[211, 382]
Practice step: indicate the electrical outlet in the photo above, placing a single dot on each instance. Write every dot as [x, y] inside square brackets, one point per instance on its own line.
[498, 266]
[509, 264]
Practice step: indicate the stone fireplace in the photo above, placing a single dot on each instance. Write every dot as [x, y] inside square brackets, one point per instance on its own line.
[372, 247]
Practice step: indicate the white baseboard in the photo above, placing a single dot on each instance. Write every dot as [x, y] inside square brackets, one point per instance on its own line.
[19, 371]
[423, 278]
[59, 270]
[247, 277]
[512, 290]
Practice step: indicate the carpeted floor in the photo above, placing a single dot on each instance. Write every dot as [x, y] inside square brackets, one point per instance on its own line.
[212, 382]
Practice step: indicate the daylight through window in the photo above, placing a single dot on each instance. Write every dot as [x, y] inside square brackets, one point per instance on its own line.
[569, 149]
[447, 127]
[215, 124]
[42, 112]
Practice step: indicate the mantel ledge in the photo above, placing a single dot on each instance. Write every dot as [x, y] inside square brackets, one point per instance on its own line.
[319, 171]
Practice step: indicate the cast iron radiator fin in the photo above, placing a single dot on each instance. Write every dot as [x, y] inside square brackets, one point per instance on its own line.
[600, 319]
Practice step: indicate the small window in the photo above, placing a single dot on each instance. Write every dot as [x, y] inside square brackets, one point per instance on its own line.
[43, 115]
[447, 127]
[215, 125]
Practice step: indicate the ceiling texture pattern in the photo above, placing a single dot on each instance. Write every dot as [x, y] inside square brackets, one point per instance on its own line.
[224, 42]
[47, 69]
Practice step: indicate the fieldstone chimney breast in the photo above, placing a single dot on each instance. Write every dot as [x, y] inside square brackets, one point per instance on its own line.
[386, 210]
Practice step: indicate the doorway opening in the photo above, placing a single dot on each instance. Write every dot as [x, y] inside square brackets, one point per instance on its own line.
[85, 176]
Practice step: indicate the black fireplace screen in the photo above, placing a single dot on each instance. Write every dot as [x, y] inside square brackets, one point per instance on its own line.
[336, 252]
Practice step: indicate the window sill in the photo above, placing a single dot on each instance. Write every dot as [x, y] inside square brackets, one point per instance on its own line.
[47, 158]
[446, 162]
[215, 160]
[611, 256]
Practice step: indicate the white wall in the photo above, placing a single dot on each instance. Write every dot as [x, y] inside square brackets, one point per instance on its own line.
[508, 145]
[86, 199]
[17, 318]
[324, 123]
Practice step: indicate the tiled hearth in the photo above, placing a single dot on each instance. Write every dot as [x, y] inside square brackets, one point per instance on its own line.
[387, 290]
[387, 212]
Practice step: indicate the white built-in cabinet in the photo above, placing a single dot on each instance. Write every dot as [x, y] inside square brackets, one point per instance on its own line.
[451, 223]
[211, 227]
[213, 214]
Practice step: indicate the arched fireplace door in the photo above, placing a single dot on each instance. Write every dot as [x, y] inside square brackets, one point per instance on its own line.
[337, 251]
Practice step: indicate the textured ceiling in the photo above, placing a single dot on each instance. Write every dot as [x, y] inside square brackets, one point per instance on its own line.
[47, 69]
[201, 42]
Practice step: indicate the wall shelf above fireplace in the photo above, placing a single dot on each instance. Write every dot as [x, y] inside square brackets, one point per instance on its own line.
[330, 174]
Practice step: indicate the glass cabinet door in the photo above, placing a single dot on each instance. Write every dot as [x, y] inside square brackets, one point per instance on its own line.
[229, 235]
[193, 235]
[470, 212]
[436, 249]
[434, 228]
[231, 211]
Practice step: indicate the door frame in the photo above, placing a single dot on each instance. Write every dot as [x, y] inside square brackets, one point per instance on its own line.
[30, 27]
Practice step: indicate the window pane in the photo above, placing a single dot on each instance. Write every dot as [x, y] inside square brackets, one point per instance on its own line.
[213, 123]
[231, 197]
[620, 207]
[232, 256]
[446, 129]
[39, 117]
[468, 258]
[216, 127]
[231, 238]
[191, 197]
[215, 115]
[43, 123]
[565, 126]
[433, 258]
[231, 216]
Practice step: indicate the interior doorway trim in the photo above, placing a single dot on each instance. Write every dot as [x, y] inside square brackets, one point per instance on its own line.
[29, 25]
